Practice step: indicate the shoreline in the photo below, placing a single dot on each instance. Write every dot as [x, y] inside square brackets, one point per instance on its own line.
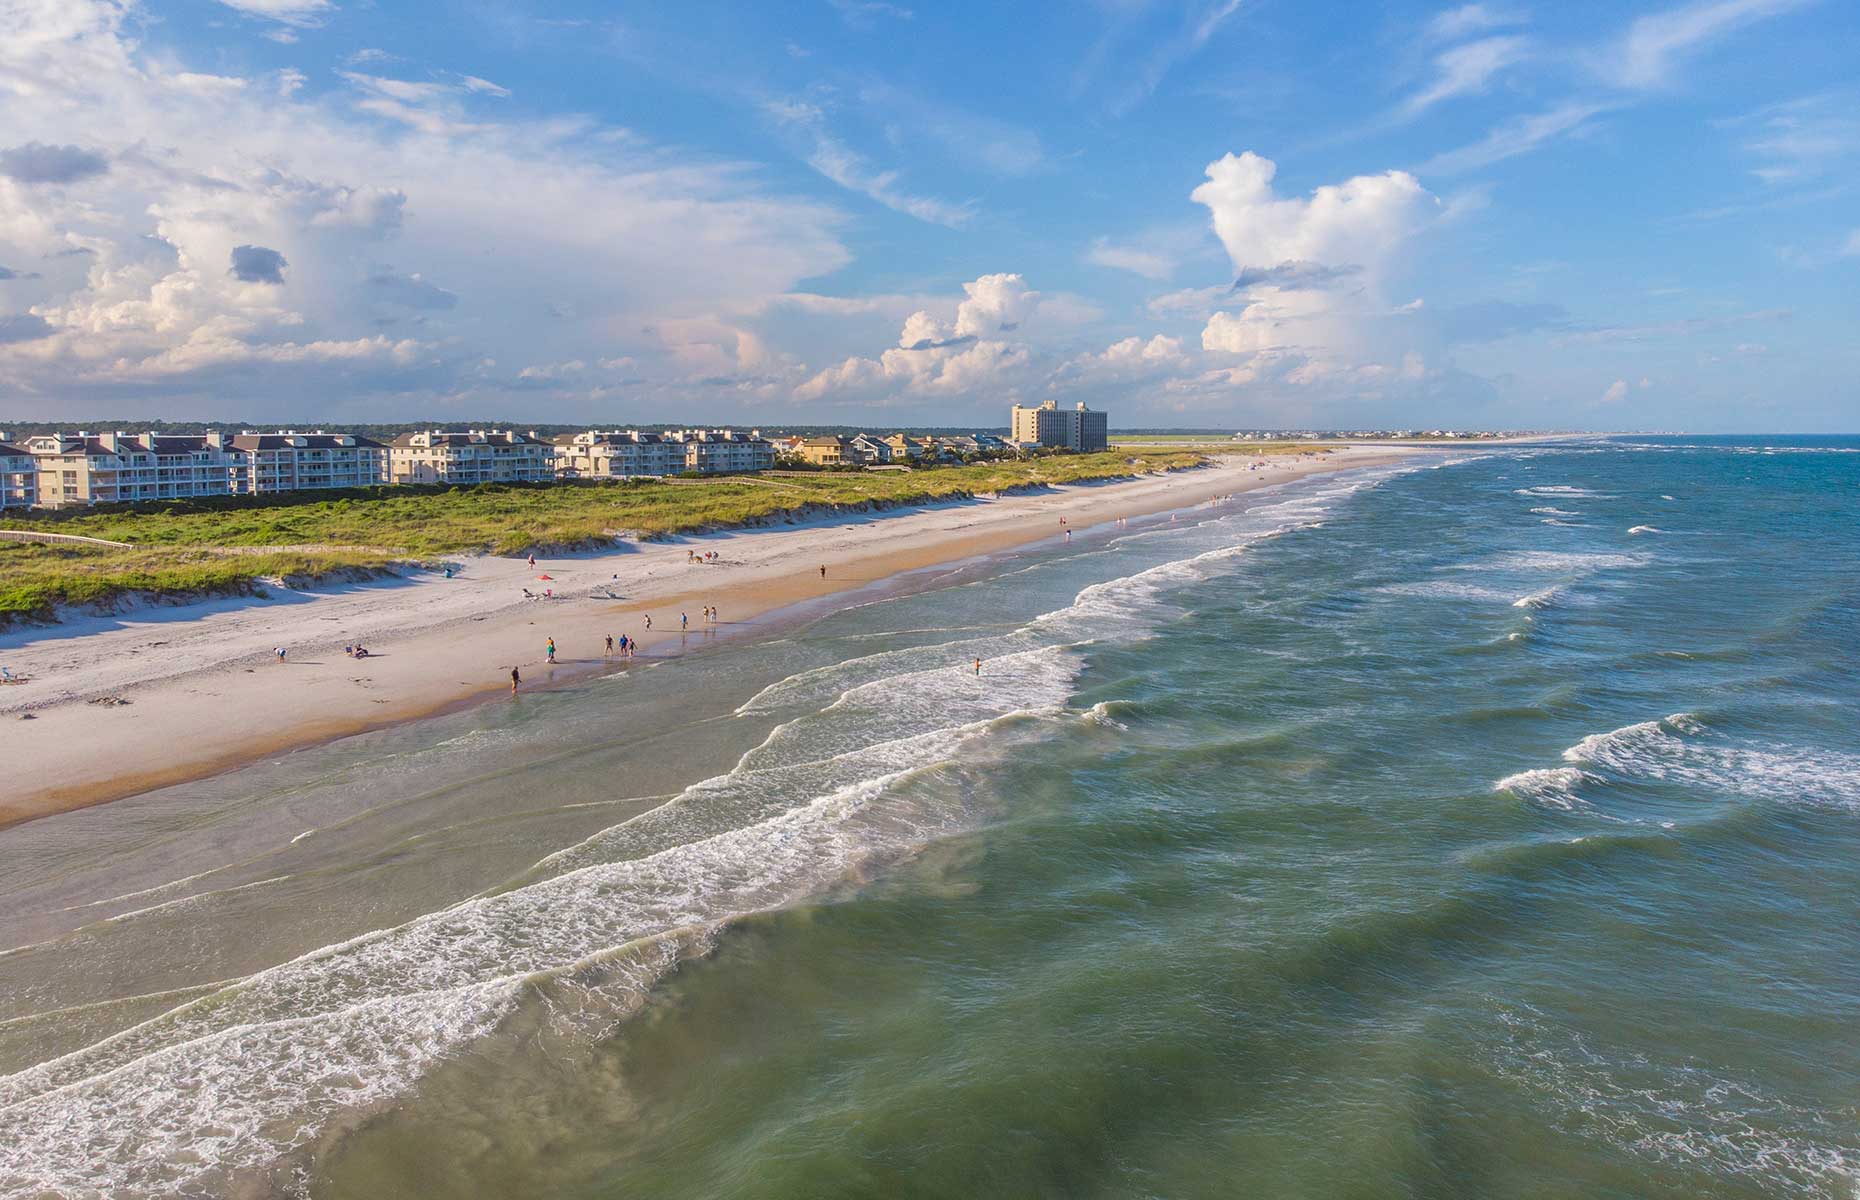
[201, 677]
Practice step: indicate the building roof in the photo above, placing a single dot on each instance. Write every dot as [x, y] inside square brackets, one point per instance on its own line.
[7, 450]
[308, 441]
[488, 437]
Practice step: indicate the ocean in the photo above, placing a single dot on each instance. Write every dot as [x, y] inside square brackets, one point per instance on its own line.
[1484, 825]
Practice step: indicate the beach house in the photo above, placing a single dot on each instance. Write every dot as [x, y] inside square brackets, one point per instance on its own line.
[828, 451]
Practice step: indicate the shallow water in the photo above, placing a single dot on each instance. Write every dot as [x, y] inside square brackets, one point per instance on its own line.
[1455, 830]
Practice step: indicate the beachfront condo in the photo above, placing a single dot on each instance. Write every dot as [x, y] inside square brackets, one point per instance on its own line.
[474, 456]
[104, 468]
[723, 451]
[1049, 425]
[19, 476]
[288, 461]
[616, 454]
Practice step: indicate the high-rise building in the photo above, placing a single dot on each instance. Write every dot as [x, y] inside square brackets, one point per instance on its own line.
[1079, 429]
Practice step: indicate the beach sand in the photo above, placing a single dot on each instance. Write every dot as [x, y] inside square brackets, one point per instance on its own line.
[205, 693]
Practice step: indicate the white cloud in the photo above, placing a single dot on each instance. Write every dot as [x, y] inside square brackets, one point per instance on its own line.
[1647, 56]
[483, 86]
[1151, 264]
[1455, 23]
[1360, 222]
[288, 12]
[933, 356]
[1617, 391]
[1466, 70]
[846, 167]
[1519, 135]
[512, 216]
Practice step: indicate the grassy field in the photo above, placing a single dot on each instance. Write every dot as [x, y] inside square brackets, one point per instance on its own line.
[229, 545]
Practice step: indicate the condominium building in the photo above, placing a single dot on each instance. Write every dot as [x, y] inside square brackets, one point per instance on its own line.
[288, 461]
[616, 454]
[1049, 425]
[723, 451]
[19, 476]
[107, 468]
[474, 456]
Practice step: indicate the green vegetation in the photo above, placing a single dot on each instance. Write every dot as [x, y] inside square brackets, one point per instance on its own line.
[228, 545]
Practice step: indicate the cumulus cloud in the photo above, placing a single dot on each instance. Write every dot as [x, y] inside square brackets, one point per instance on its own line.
[1310, 272]
[257, 264]
[36, 162]
[1617, 391]
[622, 232]
[934, 356]
[1360, 222]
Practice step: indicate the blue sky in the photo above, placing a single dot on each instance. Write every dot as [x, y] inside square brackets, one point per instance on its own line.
[1220, 213]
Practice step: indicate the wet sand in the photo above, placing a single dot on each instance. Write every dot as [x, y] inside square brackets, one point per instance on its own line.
[205, 694]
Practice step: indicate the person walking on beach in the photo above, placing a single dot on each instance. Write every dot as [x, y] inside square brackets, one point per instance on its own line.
[610, 644]
[648, 622]
[532, 560]
[550, 650]
[516, 677]
[823, 570]
[684, 622]
[978, 666]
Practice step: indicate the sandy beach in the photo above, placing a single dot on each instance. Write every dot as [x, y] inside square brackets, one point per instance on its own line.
[118, 705]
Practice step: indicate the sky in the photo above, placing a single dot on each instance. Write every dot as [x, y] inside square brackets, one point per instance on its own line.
[1218, 213]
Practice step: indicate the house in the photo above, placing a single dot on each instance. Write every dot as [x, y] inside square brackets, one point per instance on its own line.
[474, 456]
[288, 461]
[112, 468]
[19, 476]
[904, 448]
[828, 451]
[616, 454]
[870, 450]
[1080, 429]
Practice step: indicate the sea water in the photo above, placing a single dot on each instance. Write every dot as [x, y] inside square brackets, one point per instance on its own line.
[1483, 825]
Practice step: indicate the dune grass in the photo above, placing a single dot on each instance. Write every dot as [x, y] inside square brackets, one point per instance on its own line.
[229, 545]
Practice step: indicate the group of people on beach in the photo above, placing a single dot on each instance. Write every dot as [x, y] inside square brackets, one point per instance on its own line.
[709, 556]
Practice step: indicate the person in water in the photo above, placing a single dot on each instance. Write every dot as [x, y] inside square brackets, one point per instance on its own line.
[516, 677]
[550, 650]
[978, 666]
[610, 644]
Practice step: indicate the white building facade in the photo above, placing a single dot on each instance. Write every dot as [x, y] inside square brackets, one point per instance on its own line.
[287, 461]
[474, 456]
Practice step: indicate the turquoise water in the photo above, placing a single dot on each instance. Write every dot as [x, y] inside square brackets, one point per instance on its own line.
[1486, 826]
